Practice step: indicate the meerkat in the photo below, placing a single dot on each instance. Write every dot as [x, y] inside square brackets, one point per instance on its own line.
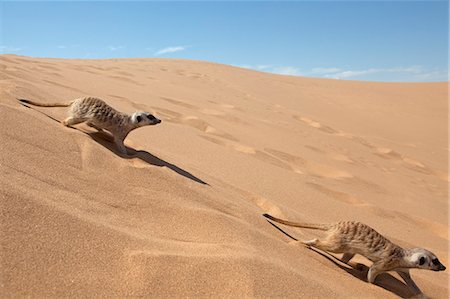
[351, 237]
[99, 115]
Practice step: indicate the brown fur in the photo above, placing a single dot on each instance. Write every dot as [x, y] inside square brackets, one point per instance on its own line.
[351, 237]
[97, 114]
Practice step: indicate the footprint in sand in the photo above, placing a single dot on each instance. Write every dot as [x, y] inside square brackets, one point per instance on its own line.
[259, 155]
[330, 130]
[179, 103]
[201, 125]
[331, 155]
[340, 157]
[337, 195]
[440, 230]
[325, 171]
[301, 165]
[63, 86]
[409, 163]
[233, 145]
[126, 79]
[207, 111]
[316, 124]
[264, 204]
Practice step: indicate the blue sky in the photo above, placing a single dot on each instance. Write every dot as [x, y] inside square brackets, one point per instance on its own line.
[380, 41]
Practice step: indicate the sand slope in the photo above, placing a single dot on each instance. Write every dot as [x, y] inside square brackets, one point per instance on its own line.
[183, 218]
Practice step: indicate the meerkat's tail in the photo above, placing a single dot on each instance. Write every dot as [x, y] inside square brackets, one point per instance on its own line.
[45, 104]
[295, 224]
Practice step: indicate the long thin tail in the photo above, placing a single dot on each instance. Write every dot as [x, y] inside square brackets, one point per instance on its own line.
[295, 224]
[45, 104]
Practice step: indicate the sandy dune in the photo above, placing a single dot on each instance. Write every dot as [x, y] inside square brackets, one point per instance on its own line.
[183, 217]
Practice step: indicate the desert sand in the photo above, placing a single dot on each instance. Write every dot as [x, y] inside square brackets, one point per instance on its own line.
[183, 218]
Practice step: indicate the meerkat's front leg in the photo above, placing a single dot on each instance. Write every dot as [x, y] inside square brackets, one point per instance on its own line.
[407, 278]
[120, 146]
[374, 270]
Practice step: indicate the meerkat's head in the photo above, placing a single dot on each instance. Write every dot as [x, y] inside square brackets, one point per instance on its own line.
[140, 119]
[424, 259]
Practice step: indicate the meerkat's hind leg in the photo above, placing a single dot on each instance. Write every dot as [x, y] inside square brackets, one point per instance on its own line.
[347, 257]
[70, 121]
[407, 278]
[94, 126]
[309, 243]
[322, 245]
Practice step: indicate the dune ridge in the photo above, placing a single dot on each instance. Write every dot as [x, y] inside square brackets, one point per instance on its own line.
[182, 218]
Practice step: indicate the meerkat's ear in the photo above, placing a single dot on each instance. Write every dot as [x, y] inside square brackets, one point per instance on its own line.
[138, 118]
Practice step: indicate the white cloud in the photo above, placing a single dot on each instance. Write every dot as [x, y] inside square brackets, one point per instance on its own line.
[8, 49]
[281, 70]
[286, 70]
[263, 67]
[115, 48]
[325, 70]
[414, 73]
[171, 50]
[349, 74]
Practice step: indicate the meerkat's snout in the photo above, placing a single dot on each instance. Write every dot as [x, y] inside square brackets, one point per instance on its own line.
[153, 119]
[425, 259]
[438, 265]
[145, 119]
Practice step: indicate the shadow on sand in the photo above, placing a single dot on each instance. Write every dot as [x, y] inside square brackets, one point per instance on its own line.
[106, 141]
[384, 280]
[145, 156]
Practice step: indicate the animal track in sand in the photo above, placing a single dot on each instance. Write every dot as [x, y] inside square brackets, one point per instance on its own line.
[63, 86]
[206, 111]
[337, 195]
[201, 125]
[236, 146]
[385, 153]
[316, 124]
[329, 130]
[263, 203]
[125, 79]
[285, 160]
[409, 163]
[340, 157]
[325, 171]
[332, 155]
[179, 103]
[300, 165]
[295, 163]
[257, 154]
[440, 230]
[191, 120]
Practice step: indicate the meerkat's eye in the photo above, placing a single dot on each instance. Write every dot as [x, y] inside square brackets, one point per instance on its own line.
[422, 261]
[435, 262]
[151, 117]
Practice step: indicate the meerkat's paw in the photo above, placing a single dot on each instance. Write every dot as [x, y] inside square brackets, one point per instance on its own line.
[309, 243]
[419, 296]
[360, 267]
